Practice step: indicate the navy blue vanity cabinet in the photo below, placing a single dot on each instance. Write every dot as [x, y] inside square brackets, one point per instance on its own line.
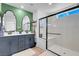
[4, 46]
[14, 43]
[10, 45]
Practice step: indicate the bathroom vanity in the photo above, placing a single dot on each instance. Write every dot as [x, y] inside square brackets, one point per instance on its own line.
[14, 38]
[15, 43]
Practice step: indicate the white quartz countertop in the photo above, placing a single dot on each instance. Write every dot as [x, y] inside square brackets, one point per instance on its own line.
[16, 34]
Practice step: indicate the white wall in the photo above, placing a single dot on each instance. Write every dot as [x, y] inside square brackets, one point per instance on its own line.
[36, 16]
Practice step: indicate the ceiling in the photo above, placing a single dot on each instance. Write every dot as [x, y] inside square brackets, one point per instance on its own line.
[45, 7]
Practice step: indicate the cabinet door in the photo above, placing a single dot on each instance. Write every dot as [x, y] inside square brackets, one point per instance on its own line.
[27, 42]
[14, 44]
[21, 42]
[4, 46]
[31, 40]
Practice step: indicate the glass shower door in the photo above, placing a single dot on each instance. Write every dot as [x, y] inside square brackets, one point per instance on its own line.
[55, 31]
[64, 32]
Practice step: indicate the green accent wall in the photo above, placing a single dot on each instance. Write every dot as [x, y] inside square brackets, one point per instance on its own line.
[19, 15]
[0, 9]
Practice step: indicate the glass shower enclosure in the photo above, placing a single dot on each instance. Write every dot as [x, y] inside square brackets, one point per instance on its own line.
[61, 29]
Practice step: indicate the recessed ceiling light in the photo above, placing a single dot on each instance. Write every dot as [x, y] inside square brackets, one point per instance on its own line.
[22, 6]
